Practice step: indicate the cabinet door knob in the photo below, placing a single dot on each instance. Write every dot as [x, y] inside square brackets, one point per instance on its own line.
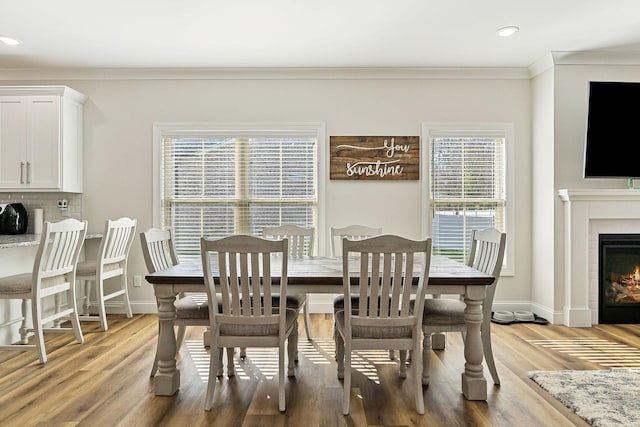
[21, 172]
[28, 172]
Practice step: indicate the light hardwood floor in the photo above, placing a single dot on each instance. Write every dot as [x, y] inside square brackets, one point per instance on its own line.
[105, 381]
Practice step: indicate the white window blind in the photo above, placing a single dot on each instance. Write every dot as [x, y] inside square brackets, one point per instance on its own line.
[219, 183]
[467, 188]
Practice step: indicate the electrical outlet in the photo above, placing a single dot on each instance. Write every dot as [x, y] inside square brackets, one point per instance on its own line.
[63, 204]
[137, 281]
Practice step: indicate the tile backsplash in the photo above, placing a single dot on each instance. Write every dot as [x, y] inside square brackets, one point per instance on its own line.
[48, 202]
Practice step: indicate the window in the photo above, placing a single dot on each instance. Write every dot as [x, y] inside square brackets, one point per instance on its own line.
[467, 184]
[217, 180]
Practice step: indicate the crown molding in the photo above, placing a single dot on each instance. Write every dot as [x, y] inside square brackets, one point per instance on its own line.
[43, 90]
[616, 56]
[391, 73]
[628, 56]
[540, 66]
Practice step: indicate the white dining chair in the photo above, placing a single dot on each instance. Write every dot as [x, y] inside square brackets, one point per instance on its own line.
[301, 243]
[53, 275]
[159, 254]
[247, 316]
[384, 317]
[351, 232]
[447, 315]
[111, 262]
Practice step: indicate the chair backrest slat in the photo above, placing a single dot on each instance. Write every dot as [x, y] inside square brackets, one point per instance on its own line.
[396, 283]
[385, 286]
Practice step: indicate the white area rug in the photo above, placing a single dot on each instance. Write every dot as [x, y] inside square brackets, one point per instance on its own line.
[603, 398]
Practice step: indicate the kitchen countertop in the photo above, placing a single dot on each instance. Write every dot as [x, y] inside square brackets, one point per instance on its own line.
[20, 240]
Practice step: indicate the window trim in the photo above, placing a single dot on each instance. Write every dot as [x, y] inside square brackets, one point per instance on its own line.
[247, 128]
[482, 129]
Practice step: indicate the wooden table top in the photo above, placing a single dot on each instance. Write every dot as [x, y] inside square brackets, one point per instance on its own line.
[328, 271]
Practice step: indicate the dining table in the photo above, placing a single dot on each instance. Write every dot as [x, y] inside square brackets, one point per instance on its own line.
[323, 275]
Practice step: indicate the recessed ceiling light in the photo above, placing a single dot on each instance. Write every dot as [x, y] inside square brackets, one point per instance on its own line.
[508, 31]
[9, 40]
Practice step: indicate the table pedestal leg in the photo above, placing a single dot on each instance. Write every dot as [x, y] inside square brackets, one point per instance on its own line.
[474, 385]
[167, 379]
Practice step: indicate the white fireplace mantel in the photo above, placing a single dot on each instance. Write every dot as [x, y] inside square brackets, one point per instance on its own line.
[601, 195]
[587, 212]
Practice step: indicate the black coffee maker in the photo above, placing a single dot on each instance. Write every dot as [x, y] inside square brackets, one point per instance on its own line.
[13, 218]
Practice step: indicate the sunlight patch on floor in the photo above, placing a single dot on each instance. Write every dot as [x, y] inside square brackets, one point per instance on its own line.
[607, 353]
[262, 363]
[320, 351]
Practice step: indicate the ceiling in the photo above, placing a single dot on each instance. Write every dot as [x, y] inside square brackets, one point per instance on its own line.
[307, 33]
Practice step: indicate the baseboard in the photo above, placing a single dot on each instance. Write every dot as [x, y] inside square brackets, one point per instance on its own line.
[117, 307]
[577, 317]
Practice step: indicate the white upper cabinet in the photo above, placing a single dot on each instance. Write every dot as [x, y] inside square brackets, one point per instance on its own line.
[41, 138]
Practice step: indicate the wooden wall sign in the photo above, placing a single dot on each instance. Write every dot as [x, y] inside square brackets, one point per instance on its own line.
[374, 157]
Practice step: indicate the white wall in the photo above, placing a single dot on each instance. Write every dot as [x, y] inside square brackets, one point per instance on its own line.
[543, 195]
[571, 100]
[119, 116]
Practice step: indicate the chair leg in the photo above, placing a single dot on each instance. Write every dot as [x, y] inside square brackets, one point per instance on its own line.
[281, 401]
[426, 358]
[37, 331]
[392, 355]
[57, 305]
[418, 376]
[438, 341]
[23, 326]
[75, 322]
[294, 342]
[334, 334]
[488, 352]
[339, 343]
[230, 368]
[307, 319]
[403, 364]
[347, 379]
[127, 302]
[87, 297]
[292, 351]
[213, 369]
[102, 312]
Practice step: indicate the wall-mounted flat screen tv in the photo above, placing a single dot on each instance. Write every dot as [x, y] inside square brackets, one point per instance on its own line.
[612, 148]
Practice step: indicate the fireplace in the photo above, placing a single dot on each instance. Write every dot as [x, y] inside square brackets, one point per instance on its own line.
[619, 278]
